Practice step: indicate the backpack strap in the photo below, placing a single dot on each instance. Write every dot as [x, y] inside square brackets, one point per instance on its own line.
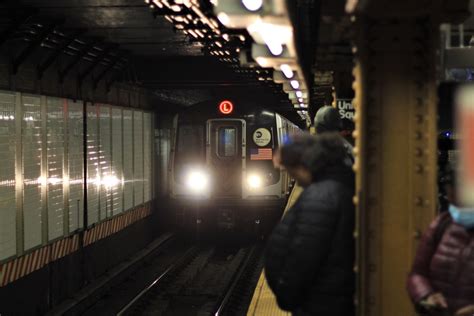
[444, 221]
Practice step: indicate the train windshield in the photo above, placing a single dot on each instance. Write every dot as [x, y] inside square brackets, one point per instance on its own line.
[190, 145]
[227, 142]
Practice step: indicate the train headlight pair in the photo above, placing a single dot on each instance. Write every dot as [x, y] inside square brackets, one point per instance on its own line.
[254, 181]
[197, 181]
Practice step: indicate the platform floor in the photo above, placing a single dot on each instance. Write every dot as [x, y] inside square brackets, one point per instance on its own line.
[263, 301]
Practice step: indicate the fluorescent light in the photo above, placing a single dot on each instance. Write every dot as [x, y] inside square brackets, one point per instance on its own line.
[299, 94]
[198, 32]
[176, 8]
[223, 18]
[300, 99]
[194, 34]
[274, 36]
[109, 181]
[252, 5]
[287, 71]
[295, 84]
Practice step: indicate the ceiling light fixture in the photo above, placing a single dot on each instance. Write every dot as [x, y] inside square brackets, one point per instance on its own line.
[272, 35]
[287, 71]
[175, 8]
[223, 18]
[252, 5]
[295, 84]
[299, 94]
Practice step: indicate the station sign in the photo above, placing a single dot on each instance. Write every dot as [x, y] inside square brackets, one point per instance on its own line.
[465, 131]
[345, 108]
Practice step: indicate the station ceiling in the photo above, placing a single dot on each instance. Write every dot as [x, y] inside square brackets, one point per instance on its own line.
[167, 61]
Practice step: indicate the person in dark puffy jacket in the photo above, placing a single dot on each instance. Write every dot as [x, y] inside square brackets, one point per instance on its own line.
[328, 120]
[442, 278]
[310, 254]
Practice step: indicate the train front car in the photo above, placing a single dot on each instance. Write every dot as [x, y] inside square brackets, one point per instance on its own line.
[222, 171]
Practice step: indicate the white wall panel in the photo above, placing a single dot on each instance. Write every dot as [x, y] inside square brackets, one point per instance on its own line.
[105, 157]
[117, 161]
[128, 158]
[138, 157]
[7, 175]
[93, 168]
[76, 165]
[147, 149]
[55, 157]
[31, 147]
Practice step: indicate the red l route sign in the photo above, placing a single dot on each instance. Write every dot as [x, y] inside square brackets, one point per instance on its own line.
[226, 107]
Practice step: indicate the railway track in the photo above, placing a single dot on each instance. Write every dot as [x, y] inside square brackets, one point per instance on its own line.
[204, 281]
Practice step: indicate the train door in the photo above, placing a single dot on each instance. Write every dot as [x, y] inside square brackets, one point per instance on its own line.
[225, 156]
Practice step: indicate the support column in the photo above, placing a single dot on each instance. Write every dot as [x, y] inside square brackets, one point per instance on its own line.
[395, 86]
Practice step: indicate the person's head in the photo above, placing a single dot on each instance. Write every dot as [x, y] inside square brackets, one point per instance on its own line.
[306, 157]
[327, 119]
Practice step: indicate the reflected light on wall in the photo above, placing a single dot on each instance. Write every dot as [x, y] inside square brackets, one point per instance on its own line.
[7, 117]
[109, 181]
[7, 183]
[43, 181]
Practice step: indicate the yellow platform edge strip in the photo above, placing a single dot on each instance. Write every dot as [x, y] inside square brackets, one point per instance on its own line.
[263, 301]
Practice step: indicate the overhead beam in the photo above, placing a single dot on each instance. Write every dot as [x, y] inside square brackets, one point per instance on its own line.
[108, 69]
[80, 55]
[54, 55]
[33, 45]
[17, 23]
[96, 61]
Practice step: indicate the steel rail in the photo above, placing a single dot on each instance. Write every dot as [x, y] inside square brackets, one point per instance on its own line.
[237, 277]
[156, 282]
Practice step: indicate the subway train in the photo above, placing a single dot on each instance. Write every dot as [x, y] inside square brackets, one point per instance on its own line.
[221, 171]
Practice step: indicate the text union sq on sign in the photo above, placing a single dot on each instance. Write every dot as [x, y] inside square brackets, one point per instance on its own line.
[345, 108]
[465, 132]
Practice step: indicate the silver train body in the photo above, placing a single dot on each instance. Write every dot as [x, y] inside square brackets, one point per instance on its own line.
[222, 171]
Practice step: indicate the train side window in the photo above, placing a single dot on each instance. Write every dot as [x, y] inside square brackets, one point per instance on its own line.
[226, 142]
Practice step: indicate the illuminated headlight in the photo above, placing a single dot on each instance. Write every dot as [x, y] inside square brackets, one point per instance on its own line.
[254, 181]
[197, 181]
